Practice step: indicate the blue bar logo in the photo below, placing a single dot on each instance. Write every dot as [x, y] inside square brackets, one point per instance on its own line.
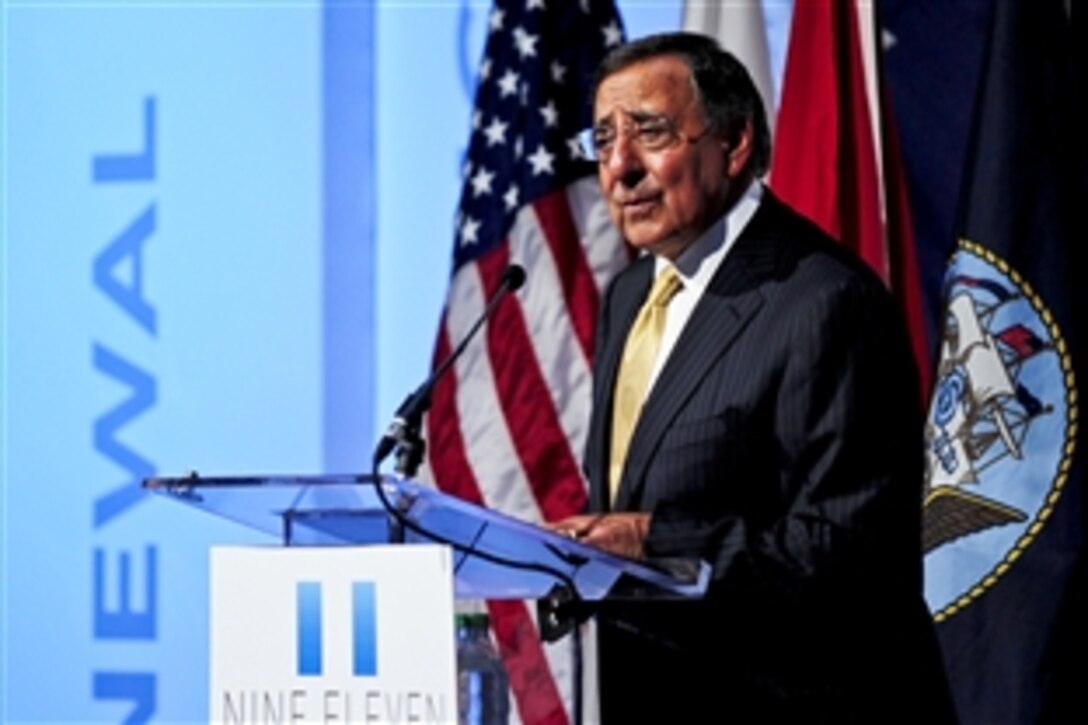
[364, 625]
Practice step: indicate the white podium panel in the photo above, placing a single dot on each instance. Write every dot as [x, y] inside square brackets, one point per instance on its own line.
[332, 634]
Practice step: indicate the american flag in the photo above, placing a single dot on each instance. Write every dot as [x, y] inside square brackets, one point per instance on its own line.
[507, 428]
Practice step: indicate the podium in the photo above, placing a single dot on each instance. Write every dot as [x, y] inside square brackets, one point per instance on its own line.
[344, 545]
[496, 556]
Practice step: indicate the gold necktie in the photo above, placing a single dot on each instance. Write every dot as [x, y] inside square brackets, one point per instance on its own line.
[639, 356]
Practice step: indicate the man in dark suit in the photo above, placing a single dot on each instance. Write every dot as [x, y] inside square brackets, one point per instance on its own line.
[761, 415]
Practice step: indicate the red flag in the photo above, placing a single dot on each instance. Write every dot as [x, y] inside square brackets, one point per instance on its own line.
[507, 428]
[836, 155]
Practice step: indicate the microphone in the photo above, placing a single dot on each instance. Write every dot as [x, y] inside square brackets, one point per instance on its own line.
[404, 428]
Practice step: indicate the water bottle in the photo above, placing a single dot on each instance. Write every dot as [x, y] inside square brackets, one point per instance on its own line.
[482, 684]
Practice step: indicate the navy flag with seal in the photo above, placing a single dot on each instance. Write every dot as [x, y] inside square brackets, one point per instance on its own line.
[1004, 496]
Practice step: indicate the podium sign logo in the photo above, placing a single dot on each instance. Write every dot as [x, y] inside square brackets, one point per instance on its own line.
[364, 629]
[332, 634]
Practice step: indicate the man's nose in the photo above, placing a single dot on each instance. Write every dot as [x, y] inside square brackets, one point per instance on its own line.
[624, 161]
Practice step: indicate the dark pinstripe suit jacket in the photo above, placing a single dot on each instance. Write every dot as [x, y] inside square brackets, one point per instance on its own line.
[782, 444]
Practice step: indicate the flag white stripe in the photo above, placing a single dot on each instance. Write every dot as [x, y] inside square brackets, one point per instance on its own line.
[562, 363]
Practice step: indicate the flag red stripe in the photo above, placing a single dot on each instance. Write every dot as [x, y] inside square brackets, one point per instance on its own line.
[445, 444]
[579, 288]
[538, 697]
[534, 426]
[530, 676]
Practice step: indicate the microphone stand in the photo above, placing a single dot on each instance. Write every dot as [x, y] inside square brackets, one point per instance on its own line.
[403, 432]
[404, 437]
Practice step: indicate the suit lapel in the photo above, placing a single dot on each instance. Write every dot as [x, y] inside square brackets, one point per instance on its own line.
[730, 300]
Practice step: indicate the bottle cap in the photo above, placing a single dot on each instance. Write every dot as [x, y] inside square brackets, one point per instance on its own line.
[470, 606]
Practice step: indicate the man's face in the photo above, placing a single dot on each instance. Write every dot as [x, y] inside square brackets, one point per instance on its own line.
[662, 191]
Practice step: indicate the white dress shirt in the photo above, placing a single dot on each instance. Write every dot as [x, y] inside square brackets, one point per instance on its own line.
[697, 265]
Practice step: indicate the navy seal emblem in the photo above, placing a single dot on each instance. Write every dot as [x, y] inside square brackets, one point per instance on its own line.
[1000, 432]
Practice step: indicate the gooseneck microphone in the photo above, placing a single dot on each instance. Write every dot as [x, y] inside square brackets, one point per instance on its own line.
[403, 431]
[403, 435]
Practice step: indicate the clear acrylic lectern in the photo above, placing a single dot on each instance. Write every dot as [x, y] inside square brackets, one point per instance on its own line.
[496, 556]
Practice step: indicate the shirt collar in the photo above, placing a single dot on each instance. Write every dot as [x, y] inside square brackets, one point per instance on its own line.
[698, 263]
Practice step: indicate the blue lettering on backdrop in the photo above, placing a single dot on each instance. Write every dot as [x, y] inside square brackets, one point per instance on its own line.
[130, 167]
[127, 245]
[137, 687]
[142, 385]
[125, 622]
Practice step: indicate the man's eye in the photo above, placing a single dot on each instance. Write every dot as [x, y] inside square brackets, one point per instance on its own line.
[652, 135]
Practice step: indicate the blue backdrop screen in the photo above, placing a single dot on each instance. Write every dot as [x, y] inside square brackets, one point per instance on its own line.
[200, 271]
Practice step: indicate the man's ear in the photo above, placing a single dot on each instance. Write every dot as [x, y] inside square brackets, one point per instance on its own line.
[739, 150]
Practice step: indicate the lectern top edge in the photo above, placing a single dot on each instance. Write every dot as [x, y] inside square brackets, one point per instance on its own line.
[344, 509]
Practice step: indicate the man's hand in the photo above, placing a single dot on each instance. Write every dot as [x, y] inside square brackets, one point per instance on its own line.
[620, 533]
